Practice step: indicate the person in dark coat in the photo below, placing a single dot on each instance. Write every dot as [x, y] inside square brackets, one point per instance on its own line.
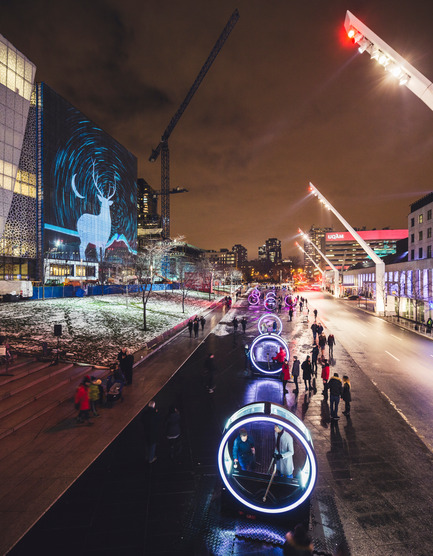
[295, 373]
[347, 397]
[202, 322]
[243, 451]
[290, 314]
[307, 371]
[244, 324]
[235, 324]
[314, 331]
[150, 421]
[209, 365]
[331, 344]
[127, 365]
[298, 542]
[195, 325]
[335, 389]
[314, 356]
[173, 434]
[190, 325]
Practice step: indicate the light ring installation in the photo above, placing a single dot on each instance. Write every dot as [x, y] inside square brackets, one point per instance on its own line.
[272, 317]
[253, 299]
[261, 346]
[270, 303]
[288, 494]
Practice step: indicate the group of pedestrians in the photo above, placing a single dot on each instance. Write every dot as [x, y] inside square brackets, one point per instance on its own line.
[93, 393]
[151, 423]
[194, 325]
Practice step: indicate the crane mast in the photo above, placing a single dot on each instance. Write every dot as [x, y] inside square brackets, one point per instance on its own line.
[162, 148]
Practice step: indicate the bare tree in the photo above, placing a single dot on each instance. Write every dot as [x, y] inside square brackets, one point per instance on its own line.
[188, 277]
[148, 267]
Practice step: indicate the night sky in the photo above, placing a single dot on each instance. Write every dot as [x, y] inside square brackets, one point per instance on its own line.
[288, 100]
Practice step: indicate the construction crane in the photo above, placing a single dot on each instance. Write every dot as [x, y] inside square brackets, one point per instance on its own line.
[162, 148]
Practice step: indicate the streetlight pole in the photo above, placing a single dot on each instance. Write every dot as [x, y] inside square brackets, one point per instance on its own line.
[335, 270]
[380, 265]
[314, 263]
[396, 65]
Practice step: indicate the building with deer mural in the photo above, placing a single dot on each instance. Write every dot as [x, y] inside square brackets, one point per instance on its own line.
[68, 194]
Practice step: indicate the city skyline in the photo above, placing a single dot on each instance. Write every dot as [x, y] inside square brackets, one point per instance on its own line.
[287, 101]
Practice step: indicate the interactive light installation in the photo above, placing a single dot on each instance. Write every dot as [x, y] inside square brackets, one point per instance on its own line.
[270, 320]
[262, 351]
[334, 269]
[262, 491]
[389, 59]
[254, 297]
[380, 265]
[270, 301]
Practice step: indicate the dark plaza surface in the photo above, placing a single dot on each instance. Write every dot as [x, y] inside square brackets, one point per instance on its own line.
[373, 490]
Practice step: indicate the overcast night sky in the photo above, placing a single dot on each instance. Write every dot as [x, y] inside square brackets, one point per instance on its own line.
[288, 100]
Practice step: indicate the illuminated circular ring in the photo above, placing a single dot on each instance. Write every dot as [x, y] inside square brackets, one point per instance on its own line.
[270, 303]
[274, 318]
[269, 294]
[276, 415]
[288, 300]
[275, 339]
[253, 299]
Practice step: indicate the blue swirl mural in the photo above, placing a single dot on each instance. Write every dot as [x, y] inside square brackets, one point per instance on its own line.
[90, 196]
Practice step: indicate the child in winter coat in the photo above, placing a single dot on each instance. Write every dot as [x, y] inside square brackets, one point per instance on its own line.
[347, 397]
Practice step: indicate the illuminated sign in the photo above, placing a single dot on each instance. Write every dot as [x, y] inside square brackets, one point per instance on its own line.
[369, 235]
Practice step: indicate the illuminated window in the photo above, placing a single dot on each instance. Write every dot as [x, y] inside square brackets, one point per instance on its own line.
[420, 219]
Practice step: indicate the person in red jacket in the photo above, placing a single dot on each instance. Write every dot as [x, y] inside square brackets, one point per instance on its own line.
[82, 402]
[285, 375]
[325, 377]
[281, 355]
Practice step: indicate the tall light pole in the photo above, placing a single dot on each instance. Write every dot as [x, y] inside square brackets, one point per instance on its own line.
[314, 263]
[380, 265]
[396, 65]
[335, 270]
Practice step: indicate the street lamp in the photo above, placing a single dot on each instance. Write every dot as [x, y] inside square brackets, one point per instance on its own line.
[314, 263]
[387, 57]
[336, 273]
[380, 265]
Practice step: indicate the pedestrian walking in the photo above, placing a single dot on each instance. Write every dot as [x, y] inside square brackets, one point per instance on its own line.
[82, 402]
[322, 344]
[314, 357]
[173, 434]
[325, 377]
[285, 375]
[314, 331]
[335, 388]
[195, 326]
[210, 369]
[290, 313]
[202, 322]
[307, 371]
[247, 357]
[331, 344]
[283, 452]
[295, 373]
[347, 396]
[244, 324]
[315, 314]
[319, 328]
[235, 323]
[150, 421]
[190, 325]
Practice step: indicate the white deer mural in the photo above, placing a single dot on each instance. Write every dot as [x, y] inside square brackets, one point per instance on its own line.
[95, 228]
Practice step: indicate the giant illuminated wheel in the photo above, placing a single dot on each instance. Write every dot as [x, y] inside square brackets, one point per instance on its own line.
[263, 349]
[253, 299]
[266, 324]
[262, 489]
[270, 303]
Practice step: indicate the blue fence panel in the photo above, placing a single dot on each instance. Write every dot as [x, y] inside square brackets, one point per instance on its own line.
[55, 292]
